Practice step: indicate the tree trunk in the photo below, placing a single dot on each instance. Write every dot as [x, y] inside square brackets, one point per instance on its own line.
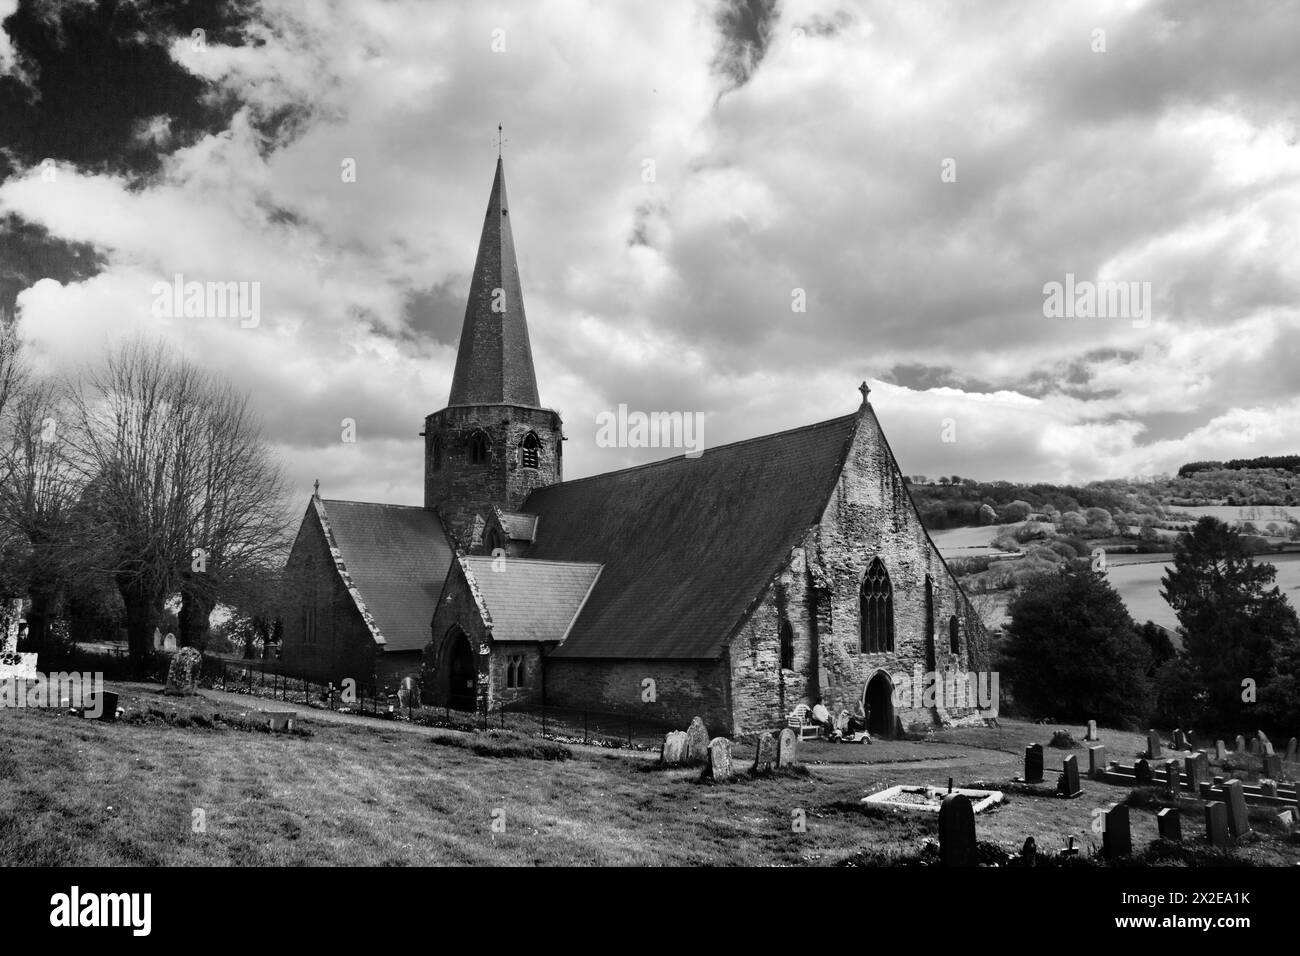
[143, 611]
[195, 616]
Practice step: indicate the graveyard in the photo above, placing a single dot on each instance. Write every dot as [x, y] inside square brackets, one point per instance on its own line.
[187, 779]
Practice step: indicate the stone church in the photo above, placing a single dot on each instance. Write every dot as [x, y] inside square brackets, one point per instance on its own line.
[735, 584]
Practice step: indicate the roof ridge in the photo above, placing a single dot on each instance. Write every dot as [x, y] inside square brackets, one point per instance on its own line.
[567, 564]
[374, 504]
[714, 448]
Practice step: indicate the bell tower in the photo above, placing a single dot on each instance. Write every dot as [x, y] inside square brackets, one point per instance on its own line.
[494, 442]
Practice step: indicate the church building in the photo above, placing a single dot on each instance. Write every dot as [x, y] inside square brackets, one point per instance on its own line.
[735, 584]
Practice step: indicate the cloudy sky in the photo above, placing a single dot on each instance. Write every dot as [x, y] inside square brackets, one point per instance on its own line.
[920, 171]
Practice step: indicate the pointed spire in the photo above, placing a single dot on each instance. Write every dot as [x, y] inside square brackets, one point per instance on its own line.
[495, 361]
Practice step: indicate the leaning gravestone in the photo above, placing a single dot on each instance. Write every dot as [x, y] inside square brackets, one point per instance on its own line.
[956, 831]
[1216, 823]
[787, 749]
[1238, 821]
[765, 753]
[1116, 838]
[1266, 748]
[1170, 824]
[1034, 763]
[673, 753]
[183, 675]
[1096, 761]
[1068, 784]
[1262, 737]
[697, 743]
[1153, 746]
[719, 767]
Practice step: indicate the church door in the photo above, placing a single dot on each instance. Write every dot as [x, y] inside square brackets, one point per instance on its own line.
[462, 674]
[879, 703]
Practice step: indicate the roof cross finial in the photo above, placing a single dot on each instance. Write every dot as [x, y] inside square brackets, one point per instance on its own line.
[316, 493]
[501, 140]
[865, 392]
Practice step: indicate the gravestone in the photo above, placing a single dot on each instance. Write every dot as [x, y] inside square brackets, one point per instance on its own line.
[1153, 745]
[1092, 731]
[1096, 761]
[1172, 772]
[1198, 769]
[1220, 751]
[1219, 781]
[1262, 737]
[1266, 748]
[673, 752]
[1286, 818]
[787, 749]
[1142, 773]
[1291, 749]
[169, 644]
[1034, 763]
[282, 720]
[106, 703]
[1116, 839]
[183, 674]
[719, 767]
[157, 639]
[1272, 767]
[1068, 784]
[1239, 745]
[956, 831]
[1216, 823]
[1170, 824]
[765, 754]
[13, 665]
[1179, 742]
[1268, 788]
[1253, 746]
[697, 743]
[1238, 822]
[1029, 852]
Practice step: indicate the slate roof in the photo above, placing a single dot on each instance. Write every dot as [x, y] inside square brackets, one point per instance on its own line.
[687, 544]
[530, 600]
[520, 527]
[494, 361]
[397, 557]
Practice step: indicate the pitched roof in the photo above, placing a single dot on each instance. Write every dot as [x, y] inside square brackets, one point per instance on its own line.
[494, 362]
[519, 527]
[687, 544]
[396, 557]
[529, 600]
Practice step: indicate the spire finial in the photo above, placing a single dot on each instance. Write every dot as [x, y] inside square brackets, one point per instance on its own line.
[501, 140]
[865, 392]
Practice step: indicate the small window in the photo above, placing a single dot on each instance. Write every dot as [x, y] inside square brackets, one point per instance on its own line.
[478, 449]
[531, 449]
[437, 453]
[929, 610]
[954, 635]
[787, 646]
[515, 671]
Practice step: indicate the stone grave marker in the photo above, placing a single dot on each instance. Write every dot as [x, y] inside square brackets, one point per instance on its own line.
[169, 644]
[1216, 823]
[157, 639]
[183, 674]
[1198, 769]
[1092, 731]
[1029, 852]
[1268, 788]
[1266, 748]
[1153, 745]
[1170, 824]
[673, 752]
[1272, 767]
[1262, 737]
[1068, 784]
[956, 831]
[1179, 742]
[1172, 773]
[1239, 744]
[1291, 749]
[1034, 763]
[282, 720]
[765, 753]
[1142, 773]
[1238, 821]
[1220, 751]
[719, 767]
[1286, 818]
[787, 748]
[1096, 761]
[1253, 746]
[697, 743]
[1116, 838]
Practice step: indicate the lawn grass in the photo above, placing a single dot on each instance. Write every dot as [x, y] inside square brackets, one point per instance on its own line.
[80, 792]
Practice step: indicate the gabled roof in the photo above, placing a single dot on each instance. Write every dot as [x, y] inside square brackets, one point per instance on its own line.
[395, 559]
[687, 544]
[517, 526]
[494, 362]
[525, 600]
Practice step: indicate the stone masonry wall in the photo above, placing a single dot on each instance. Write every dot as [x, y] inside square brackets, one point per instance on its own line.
[683, 689]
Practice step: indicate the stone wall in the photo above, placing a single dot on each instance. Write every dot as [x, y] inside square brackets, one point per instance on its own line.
[683, 689]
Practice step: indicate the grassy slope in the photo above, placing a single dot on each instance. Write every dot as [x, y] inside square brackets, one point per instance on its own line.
[78, 792]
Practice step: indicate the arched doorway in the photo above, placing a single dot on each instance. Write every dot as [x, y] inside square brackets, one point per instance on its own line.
[878, 699]
[462, 673]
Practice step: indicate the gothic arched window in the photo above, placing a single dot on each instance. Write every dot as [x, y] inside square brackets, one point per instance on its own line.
[478, 449]
[954, 635]
[877, 610]
[787, 646]
[437, 453]
[530, 449]
[929, 609]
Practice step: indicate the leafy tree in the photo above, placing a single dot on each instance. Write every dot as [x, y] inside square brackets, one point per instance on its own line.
[1234, 621]
[988, 515]
[1072, 651]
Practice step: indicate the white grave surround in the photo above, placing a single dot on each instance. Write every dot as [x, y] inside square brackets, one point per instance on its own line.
[25, 669]
[980, 799]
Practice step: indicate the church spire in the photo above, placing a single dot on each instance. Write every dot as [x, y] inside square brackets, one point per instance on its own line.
[494, 364]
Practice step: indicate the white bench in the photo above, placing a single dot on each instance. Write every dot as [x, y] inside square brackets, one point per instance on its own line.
[801, 723]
